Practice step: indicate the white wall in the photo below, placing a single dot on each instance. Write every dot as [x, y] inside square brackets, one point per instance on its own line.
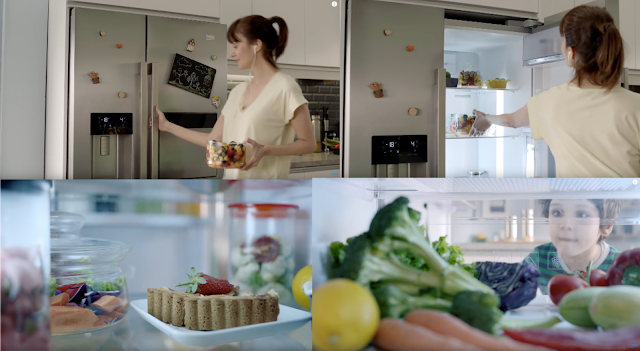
[23, 58]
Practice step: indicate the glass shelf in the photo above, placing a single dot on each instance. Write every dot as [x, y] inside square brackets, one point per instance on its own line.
[478, 89]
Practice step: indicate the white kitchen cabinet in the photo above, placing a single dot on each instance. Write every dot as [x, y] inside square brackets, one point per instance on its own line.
[552, 7]
[518, 5]
[322, 33]
[231, 10]
[628, 31]
[205, 8]
[292, 11]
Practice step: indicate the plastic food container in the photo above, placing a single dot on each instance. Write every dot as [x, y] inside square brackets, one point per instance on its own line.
[24, 252]
[452, 124]
[262, 239]
[223, 155]
[465, 122]
[498, 83]
[470, 78]
[88, 289]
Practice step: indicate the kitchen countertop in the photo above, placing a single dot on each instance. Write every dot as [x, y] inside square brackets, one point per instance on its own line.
[134, 334]
[319, 159]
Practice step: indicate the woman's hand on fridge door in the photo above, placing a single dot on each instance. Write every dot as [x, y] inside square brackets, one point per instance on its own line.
[481, 124]
[259, 151]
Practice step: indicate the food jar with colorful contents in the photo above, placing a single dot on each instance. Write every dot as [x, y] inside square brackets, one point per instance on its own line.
[470, 78]
[24, 266]
[226, 155]
[88, 289]
[465, 123]
[262, 237]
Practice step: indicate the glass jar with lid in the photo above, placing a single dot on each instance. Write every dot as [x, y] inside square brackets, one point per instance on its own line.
[262, 239]
[24, 252]
[88, 289]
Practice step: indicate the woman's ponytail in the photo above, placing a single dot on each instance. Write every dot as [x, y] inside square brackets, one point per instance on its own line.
[610, 57]
[283, 35]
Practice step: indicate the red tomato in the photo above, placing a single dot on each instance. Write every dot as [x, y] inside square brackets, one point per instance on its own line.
[598, 278]
[561, 285]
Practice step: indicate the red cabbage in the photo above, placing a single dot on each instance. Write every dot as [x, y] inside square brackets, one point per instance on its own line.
[515, 283]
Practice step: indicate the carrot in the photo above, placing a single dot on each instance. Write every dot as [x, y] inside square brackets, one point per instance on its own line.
[446, 324]
[397, 335]
[59, 300]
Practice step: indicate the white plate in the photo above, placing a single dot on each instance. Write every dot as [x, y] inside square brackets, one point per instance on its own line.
[289, 319]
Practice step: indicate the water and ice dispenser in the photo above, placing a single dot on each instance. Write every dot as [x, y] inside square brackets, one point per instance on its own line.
[399, 156]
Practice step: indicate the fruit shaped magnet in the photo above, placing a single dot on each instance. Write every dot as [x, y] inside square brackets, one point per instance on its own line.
[122, 95]
[214, 57]
[413, 112]
[119, 46]
[377, 89]
[409, 48]
[103, 33]
[387, 32]
[215, 101]
[192, 45]
[94, 77]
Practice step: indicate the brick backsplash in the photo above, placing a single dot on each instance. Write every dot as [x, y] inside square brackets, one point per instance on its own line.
[323, 93]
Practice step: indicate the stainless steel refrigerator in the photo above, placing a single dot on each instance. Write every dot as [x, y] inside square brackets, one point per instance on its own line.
[136, 57]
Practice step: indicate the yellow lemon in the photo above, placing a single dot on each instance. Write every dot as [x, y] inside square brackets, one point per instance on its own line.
[345, 316]
[304, 275]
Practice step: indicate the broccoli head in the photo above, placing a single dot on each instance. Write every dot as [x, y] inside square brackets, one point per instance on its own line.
[395, 304]
[366, 263]
[478, 309]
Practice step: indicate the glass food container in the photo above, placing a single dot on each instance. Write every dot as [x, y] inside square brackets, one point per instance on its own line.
[24, 252]
[88, 288]
[261, 239]
[223, 155]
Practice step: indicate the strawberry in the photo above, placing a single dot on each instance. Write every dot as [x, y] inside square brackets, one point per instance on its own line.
[206, 285]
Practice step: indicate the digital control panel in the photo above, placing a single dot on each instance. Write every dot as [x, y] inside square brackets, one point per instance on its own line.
[395, 149]
[111, 123]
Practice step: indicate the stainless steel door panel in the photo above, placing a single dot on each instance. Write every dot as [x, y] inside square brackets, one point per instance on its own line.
[166, 37]
[179, 159]
[119, 71]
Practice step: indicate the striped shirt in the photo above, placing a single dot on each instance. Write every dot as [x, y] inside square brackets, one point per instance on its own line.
[549, 262]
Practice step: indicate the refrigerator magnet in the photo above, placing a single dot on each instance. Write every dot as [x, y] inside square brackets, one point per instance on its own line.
[377, 89]
[103, 33]
[119, 46]
[387, 32]
[409, 48]
[192, 45]
[94, 77]
[413, 112]
[122, 95]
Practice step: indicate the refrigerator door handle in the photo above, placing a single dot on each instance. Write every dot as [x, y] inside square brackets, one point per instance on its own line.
[153, 125]
[141, 142]
[441, 94]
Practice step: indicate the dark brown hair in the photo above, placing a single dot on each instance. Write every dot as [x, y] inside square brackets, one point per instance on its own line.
[597, 43]
[607, 209]
[257, 27]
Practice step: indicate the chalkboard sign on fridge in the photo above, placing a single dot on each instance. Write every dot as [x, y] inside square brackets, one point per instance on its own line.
[192, 76]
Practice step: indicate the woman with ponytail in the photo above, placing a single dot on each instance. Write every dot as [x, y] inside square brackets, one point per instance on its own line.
[592, 124]
[268, 112]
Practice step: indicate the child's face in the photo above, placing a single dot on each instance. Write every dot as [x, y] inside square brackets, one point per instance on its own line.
[574, 226]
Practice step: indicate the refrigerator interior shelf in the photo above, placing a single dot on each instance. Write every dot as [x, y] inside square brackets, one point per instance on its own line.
[132, 220]
[480, 89]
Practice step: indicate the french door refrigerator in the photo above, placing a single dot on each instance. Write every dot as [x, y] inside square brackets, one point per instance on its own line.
[141, 61]
[411, 49]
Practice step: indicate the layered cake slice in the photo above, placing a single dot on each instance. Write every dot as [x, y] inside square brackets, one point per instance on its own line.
[211, 304]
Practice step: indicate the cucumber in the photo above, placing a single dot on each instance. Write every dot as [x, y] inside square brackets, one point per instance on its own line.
[574, 306]
[617, 306]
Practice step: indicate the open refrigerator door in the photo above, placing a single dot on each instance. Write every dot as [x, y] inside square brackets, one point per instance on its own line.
[517, 239]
